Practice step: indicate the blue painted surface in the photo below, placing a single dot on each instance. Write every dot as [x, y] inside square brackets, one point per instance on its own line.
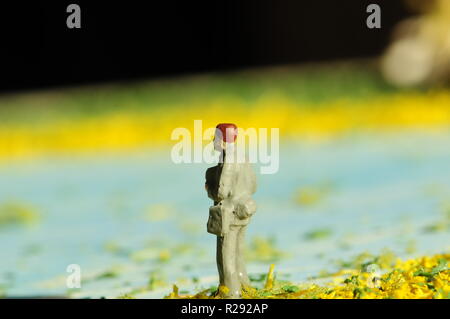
[384, 190]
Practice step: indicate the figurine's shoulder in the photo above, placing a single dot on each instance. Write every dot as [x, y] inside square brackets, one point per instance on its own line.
[212, 172]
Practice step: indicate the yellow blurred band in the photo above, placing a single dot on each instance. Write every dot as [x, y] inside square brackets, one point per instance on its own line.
[127, 129]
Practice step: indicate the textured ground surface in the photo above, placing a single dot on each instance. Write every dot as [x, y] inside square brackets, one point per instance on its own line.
[369, 174]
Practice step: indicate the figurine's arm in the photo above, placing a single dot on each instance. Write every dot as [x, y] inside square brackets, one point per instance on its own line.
[252, 178]
[246, 206]
[208, 180]
[226, 181]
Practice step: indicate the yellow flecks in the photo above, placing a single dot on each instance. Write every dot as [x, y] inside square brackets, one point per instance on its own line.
[223, 290]
[14, 213]
[174, 294]
[415, 278]
[263, 249]
[164, 255]
[155, 280]
[270, 277]
[144, 254]
[312, 194]
[308, 196]
[158, 212]
[317, 234]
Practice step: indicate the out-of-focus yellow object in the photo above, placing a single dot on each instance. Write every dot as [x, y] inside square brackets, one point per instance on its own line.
[420, 51]
[125, 129]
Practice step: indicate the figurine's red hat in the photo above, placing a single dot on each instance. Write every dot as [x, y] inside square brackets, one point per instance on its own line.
[226, 131]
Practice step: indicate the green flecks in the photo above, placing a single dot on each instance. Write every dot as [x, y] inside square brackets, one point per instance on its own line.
[258, 277]
[311, 195]
[156, 280]
[264, 250]
[110, 273]
[317, 234]
[358, 293]
[213, 290]
[2, 291]
[441, 266]
[352, 280]
[384, 260]
[17, 213]
[442, 224]
[115, 248]
[107, 274]
[395, 283]
[290, 288]
[322, 274]
[32, 250]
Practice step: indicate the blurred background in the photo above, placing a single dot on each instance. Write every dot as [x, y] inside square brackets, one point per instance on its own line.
[86, 117]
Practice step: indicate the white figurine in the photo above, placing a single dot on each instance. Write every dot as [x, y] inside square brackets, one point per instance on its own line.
[230, 185]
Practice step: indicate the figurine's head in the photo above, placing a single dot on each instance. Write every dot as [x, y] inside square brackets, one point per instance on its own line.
[225, 133]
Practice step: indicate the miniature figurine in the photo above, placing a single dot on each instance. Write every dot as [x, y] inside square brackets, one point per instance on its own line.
[230, 185]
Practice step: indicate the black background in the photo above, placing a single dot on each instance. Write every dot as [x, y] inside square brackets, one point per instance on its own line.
[122, 40]
[53, 308]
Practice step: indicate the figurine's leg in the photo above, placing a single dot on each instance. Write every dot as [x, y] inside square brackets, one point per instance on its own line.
[240, 260]
[219, 259]
[230, 275]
